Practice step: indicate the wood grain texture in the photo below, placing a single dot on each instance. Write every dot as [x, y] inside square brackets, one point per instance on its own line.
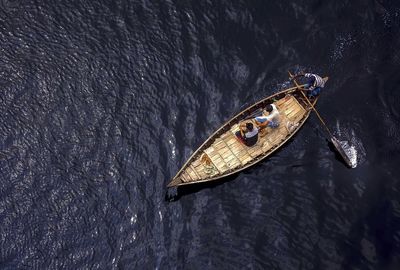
[228, 153]
[225, 154]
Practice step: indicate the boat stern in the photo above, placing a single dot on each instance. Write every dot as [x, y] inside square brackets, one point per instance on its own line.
[175, 182]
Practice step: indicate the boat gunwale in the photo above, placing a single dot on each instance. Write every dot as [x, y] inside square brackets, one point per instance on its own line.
[254, 160]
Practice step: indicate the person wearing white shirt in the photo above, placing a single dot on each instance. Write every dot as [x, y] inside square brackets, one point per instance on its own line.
[271, 120]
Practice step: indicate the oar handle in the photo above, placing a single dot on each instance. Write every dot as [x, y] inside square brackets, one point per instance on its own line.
[311, 105]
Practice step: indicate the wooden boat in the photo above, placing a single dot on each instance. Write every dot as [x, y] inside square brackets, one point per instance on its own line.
[222, 154]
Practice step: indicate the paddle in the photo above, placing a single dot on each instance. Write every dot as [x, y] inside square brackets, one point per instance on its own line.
[253, 114]
[335, 142]
[260, 110]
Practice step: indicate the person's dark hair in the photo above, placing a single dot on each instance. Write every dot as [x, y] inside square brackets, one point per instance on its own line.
[269, 108]
[249, 126]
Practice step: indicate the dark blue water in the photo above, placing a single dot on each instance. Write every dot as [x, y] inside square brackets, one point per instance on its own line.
[101, 102]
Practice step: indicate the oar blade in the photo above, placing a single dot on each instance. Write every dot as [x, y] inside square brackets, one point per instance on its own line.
[346, 155]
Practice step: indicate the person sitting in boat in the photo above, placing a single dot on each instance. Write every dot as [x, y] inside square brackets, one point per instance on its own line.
[270, 120]
[248, 134]
[314, 85]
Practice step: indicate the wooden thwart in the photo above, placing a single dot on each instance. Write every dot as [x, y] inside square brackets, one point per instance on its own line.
[226, 155]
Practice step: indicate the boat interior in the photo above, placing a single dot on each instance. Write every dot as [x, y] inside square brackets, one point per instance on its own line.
[223, 153]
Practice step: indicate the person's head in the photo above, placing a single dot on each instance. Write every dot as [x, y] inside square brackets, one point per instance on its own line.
[269, 108]
[249, 126]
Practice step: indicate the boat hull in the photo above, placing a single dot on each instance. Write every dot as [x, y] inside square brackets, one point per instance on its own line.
[222, 154]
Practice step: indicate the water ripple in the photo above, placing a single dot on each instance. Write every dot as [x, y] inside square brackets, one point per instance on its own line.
[101, 103]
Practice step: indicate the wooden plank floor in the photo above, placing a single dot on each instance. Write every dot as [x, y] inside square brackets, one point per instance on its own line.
[227, 153]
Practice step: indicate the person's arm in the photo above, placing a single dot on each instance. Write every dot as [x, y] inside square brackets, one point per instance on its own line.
[262, 124]
[242, 133]
[296, 76]
[241, 127]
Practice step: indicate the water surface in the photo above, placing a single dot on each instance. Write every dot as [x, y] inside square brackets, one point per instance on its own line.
[102, 102]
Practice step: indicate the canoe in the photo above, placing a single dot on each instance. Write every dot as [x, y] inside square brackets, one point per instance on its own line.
[222, 154]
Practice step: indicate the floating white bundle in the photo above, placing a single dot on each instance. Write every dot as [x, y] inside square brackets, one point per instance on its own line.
[351, 152]
[351, 144]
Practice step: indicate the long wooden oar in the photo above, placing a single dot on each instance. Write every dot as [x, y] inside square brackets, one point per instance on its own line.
[335, 142]
[253, 114]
